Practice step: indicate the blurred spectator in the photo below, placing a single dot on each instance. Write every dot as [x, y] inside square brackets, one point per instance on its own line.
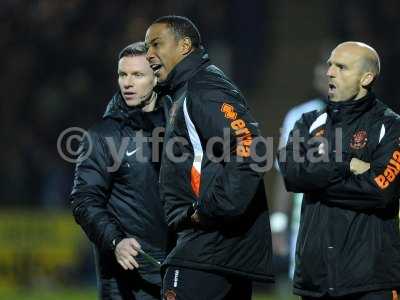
[288, 205]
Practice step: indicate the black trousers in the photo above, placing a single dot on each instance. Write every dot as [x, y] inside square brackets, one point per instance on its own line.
[376, 295]
[189, 284]
[130, 285]
[115, 283]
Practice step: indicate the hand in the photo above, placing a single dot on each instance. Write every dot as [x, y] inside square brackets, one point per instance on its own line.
[125, 252]
[357, 166]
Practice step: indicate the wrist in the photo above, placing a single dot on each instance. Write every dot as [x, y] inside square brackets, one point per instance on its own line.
[115, 242]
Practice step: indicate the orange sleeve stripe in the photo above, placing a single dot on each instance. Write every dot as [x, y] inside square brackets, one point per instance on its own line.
[195, 181]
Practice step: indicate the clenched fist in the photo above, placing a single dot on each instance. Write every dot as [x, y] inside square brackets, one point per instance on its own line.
[358, 166]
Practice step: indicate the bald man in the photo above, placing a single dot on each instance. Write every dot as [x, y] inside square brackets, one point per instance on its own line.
[346, 161]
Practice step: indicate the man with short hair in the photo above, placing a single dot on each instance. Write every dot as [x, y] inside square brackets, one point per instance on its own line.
[346, 161]
[115, 197]
[213, 188]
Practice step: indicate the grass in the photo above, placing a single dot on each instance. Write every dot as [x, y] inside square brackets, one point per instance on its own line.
[57, 294]
[85, 294]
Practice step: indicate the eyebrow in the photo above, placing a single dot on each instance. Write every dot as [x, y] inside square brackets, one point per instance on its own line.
[330, 62]
[135, 72]
[153, 40]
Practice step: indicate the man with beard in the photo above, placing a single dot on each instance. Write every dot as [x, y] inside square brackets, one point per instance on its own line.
[213, 188]
[115, 197]
[346, 161]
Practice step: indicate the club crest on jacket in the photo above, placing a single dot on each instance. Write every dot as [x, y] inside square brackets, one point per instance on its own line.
[359, 140]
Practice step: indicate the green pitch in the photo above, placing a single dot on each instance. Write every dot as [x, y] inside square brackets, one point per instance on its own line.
[86, 294]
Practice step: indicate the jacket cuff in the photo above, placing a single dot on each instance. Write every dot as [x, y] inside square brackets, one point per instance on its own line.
[112, 242]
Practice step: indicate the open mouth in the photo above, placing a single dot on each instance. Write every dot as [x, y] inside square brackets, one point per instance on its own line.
[332, 87]
[129, 95]
[156, 68]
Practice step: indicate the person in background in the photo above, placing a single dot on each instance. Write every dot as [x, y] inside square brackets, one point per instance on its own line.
[285, 219]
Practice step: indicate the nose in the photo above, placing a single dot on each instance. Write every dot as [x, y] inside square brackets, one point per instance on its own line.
[150, 54]
[127, 82]
[330, 72]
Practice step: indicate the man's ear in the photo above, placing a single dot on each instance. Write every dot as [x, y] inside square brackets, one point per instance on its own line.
[367, 79]
[185, 46]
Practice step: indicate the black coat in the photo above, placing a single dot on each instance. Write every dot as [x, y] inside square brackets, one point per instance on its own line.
[234, 235]
[349, 239]
[115, 193]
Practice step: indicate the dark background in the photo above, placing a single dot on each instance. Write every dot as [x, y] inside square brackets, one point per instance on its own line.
[59, 59]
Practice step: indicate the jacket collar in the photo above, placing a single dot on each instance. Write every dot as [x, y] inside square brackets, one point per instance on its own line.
[185, 69]
[352, 109]
[135, 117]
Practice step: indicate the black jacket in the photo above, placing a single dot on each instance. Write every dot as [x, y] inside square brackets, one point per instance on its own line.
[116, 192]
[349, 237]
[234, 236]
